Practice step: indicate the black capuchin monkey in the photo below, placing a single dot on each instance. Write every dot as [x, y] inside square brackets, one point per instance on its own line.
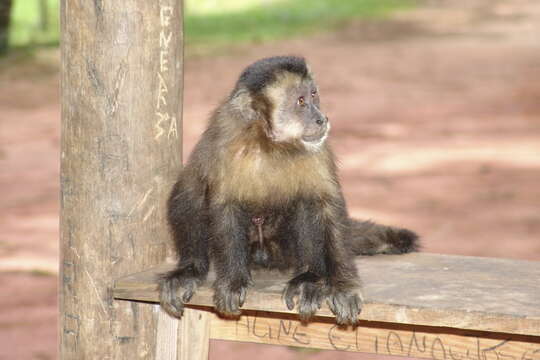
[260, 190]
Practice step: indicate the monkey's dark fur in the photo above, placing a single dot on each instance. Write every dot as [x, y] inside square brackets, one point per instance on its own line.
[261, 191]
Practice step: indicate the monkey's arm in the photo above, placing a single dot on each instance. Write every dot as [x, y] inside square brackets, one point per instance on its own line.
[188, 223]
[325, 267]
[230, 256]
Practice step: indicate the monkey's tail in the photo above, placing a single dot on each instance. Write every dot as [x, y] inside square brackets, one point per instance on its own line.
[369, 238]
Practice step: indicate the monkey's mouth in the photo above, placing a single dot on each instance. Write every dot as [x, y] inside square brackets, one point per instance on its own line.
[313, 138]
[318, 137]
[314, 143]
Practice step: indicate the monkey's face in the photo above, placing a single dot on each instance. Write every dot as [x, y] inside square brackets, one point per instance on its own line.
[296, 116]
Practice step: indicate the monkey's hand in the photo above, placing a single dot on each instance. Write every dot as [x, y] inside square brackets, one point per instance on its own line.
[229, 296]
[308, 288]
[176, 288]
[345, 304]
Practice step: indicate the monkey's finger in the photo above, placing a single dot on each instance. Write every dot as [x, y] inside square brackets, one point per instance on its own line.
[358, 304]
[234, 303]
[166, 296]
[307, 307]
[354, 311]
[333, 303]
[173, 307]
[242, 296]
[288, 296]
[320, 299]
[349, 311]
[290, 303]
[189, 287]
[177, 306]
[230, 302]
[305, 314]
[188, 294]
[338, 307]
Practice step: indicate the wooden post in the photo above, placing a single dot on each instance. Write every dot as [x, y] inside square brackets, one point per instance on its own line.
[121, 151]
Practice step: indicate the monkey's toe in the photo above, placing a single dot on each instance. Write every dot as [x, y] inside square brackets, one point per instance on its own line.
[229, 298]
[346, 305]
[168, 299]
[309, 292]
[174, 291]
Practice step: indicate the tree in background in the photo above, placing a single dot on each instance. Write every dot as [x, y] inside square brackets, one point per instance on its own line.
[43, 15]
[5, 11]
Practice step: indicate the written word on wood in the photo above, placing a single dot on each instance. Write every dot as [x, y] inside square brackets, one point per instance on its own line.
[376, 337]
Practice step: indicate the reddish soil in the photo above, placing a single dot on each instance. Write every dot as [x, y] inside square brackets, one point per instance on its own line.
[436, 122]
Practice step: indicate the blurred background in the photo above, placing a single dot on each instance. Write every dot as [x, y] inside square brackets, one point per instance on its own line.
[435, 110]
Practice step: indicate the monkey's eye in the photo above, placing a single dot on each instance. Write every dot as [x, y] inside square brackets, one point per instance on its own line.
[301, 101]
[313, 93]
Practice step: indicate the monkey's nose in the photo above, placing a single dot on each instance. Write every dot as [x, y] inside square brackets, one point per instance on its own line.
[322, 121]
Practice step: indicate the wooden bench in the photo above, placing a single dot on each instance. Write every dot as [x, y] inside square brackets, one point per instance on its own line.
[421, 305]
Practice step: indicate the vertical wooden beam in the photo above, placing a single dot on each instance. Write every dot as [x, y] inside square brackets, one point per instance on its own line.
[194, 335]
[167, 336]
[187, 338]
[121, 151]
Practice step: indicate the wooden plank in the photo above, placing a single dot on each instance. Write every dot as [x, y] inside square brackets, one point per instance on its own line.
[187, 338]
[376, 338]
[120, 154]
[194, 335]
[474, 293]
[166, 337]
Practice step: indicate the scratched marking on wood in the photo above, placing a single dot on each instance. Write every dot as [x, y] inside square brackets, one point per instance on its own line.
[377, 338]
[164, 121]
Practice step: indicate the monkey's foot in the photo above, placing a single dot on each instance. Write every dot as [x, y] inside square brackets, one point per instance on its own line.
[229, 296]
[308, 288]
[346, 305]
[176, 288]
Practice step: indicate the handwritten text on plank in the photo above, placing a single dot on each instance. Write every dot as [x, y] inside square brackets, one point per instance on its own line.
[378, 340]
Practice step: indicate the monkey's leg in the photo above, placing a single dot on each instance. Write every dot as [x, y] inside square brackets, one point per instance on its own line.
[230, 253]
[369, 238]
[326, 268]
[344, 297]
[309, 284]
[189, 227]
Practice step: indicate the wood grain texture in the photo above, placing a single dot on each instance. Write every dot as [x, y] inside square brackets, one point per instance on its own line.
[194, 335]
[459, 292]
[376, 338]
[120, 154]
[167, 336]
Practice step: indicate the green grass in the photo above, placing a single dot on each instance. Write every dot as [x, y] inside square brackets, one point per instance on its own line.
[271, 20]
[219, 23]
[25, 28]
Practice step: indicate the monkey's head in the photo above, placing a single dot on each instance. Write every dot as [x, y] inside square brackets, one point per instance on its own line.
[284, 101]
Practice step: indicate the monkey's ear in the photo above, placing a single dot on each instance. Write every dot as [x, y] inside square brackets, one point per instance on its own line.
[253, 107]
[242, 102]
[262, 106]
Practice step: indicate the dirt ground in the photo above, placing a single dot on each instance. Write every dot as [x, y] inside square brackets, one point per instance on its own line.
[435, 119]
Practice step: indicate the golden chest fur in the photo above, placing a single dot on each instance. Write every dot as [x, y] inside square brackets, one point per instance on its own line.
[253, 176]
